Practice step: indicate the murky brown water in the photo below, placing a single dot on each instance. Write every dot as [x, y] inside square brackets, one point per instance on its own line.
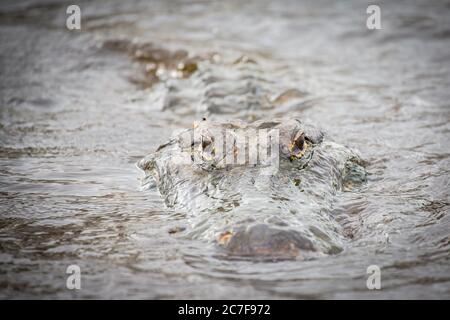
[72, 127]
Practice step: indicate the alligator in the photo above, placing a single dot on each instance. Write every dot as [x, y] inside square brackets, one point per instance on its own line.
[259, 190]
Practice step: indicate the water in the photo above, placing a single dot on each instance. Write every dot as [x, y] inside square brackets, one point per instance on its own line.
[73, 126]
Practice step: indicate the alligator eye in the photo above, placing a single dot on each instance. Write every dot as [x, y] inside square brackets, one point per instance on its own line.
[207, 148]
[298, 145]
[206, 142]
[299, 141]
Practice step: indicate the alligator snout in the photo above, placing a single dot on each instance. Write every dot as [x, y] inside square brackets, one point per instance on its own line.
[266, 241]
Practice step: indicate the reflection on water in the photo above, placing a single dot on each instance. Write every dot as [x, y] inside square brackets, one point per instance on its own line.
[73, 125]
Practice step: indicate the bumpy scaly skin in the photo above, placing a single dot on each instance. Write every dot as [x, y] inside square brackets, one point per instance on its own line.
[285, 213]
[207, 83]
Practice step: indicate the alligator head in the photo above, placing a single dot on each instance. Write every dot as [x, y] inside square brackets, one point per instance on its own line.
[264, 189]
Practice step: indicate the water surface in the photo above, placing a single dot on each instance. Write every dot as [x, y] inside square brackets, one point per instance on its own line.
[72, 127]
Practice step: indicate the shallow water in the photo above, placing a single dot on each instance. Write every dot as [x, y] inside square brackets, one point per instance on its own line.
[72, 127]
